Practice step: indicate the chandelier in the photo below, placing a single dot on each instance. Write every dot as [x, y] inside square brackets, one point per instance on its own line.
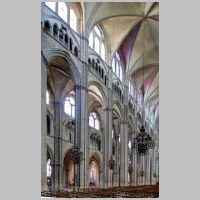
[143, 141]
[75, 154]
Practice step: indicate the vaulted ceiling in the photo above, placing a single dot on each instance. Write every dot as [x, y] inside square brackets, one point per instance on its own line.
[132, 29]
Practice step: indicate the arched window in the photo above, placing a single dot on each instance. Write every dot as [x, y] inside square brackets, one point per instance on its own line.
[49, 171]
[96, 45]
[103, 51]
[96, 41]
[70, 106]
[116, 66]
[62, 11]
[47, 97]
[93, 120]
[97, 30]
[91, 40]
[51, 5]
[73, 20]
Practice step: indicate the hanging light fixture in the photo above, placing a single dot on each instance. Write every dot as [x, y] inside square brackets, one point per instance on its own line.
[143, 141]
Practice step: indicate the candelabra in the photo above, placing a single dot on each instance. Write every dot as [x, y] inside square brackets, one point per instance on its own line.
[142, 142]
[75, 154]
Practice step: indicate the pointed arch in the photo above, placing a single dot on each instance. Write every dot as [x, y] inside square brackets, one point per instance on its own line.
[75, 74]
[102, 92]
[97, 158]
[119, 107]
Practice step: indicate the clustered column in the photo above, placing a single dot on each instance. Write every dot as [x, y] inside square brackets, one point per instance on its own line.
[43, 127]
[57, 164]
[107, 145]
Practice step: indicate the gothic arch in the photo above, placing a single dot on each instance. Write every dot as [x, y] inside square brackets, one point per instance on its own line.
[119, 107]
[75, 74]
[104, 102]
[96, 156]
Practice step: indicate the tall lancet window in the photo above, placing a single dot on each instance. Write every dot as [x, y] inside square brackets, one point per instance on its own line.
[94, 120]
[97, 41]
[70, 106]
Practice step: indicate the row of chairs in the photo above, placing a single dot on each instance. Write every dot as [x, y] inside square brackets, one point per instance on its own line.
[126, 191]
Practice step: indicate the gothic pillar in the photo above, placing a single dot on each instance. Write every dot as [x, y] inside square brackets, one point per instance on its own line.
[107, 144]
[124, 153]
[148, 170]
[57, 164]
[135, 163]
[43, 127]
[81, 136]
[124, 135]
[124, 138]
[81, 113]
[116, 170]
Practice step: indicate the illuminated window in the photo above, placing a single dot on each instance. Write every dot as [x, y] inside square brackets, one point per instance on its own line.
[116, 66]
[113, 65]
[112, 134]
[47, 97]
[91, 40]
[96, 45]
[97, 31]
[93, 120]
[96, 42]
[62, 11]
[48, 168]
[70, 106]
[103, 51]
[51, 5]
[73, 19]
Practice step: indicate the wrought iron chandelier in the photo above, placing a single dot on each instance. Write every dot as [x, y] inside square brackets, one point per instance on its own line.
[75, 154]
[143, 141]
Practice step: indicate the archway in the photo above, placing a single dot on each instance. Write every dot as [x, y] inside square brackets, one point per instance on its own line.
[94, 172]
[68, 172]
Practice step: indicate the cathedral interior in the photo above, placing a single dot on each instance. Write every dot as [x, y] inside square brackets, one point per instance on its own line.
[100, 99]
